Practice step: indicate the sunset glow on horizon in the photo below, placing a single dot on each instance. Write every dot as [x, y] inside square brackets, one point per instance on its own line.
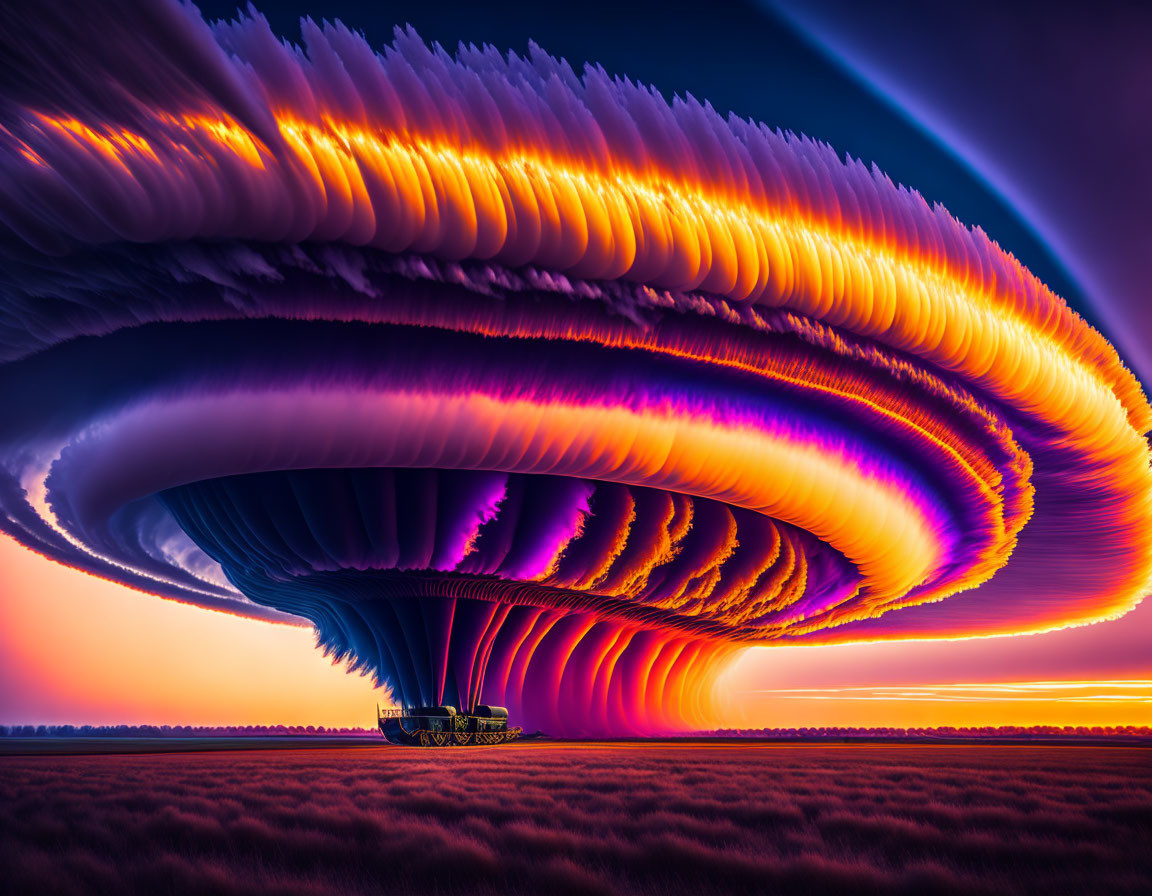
[180, 665]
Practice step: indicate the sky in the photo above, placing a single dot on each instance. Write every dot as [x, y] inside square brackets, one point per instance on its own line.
[1043, 147]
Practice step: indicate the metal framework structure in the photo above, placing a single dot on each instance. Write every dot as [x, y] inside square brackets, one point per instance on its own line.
[443, 726]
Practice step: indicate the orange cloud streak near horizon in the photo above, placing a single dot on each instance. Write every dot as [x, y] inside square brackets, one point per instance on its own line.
[1087, 703]
[77, 649]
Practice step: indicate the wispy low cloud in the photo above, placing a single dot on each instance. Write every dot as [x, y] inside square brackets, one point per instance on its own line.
[590, 819]
[1134, 691]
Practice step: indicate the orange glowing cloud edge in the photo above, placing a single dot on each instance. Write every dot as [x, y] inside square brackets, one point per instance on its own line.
[551, 439]
[721, 245]
[709, 241]
[340, 154]
[927, 287]
[1007, 492]
[861, 513]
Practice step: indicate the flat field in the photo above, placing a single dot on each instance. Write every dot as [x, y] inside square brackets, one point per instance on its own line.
[558, 818]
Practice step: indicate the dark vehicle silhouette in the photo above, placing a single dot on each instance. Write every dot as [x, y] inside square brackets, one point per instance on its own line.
[443, 726]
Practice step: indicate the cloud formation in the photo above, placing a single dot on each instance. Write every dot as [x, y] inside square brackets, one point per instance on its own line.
[525, 386]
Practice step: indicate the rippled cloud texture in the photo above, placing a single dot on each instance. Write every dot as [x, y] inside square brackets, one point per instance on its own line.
[526, 386]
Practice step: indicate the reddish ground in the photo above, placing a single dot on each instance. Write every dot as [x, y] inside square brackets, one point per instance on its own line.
[559, 818]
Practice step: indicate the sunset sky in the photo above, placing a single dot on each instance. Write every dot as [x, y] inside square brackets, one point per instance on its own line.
[1010, 146]
[75, 649]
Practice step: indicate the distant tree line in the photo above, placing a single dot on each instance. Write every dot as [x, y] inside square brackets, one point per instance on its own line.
[986, 732]
[182, 731]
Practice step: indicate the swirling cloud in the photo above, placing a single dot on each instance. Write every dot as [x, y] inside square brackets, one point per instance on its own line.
[527, 386]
